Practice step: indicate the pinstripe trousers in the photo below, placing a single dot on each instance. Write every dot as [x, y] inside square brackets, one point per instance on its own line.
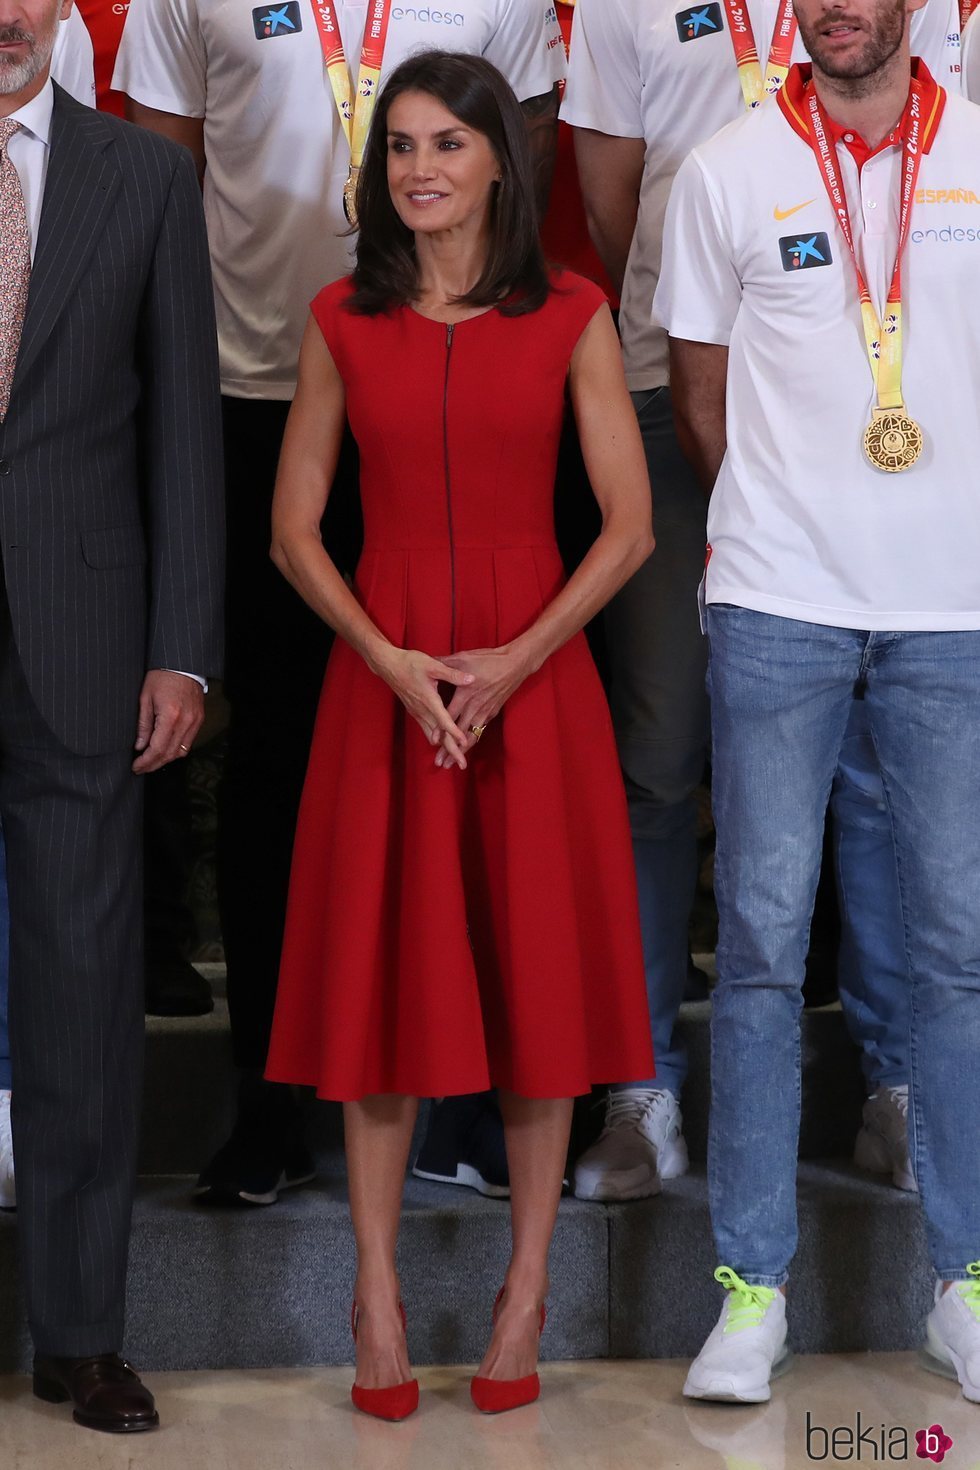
[72, 828]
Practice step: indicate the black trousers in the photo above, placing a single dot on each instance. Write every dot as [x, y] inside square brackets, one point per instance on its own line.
[72, 829]
[276, 654]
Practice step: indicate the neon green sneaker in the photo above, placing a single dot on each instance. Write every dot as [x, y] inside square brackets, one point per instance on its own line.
[952, 1346]
[746, 1348]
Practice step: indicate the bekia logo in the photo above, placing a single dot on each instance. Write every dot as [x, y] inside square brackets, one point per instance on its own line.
[277, 20]
[873, 1444]
[704, 20]
[932, 1444]
[803, 252]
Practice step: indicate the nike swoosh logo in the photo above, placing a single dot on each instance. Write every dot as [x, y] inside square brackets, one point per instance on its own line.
[785, 213]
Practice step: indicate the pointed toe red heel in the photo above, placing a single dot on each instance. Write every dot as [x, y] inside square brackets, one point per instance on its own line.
[497, 1395]
[392, 1404]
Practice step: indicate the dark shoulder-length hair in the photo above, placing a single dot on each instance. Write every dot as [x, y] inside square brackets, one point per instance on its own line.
[515, 276]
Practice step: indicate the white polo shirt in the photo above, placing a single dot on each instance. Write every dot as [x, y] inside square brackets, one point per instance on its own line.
[636, 72]
[800, 524]
[277, 156]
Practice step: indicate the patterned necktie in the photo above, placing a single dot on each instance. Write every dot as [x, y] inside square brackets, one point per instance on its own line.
[15, 253]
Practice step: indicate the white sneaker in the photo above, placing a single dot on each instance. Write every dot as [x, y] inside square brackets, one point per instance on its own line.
[8, 1192]
[746, 1347]
[882, 1146]
[640, 1145]
[952, 1346]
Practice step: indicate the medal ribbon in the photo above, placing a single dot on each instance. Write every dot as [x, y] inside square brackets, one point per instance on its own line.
[883, 340]
[755, 86]
[355, 106]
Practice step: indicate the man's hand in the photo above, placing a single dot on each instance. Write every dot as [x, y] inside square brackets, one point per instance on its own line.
[171, 713]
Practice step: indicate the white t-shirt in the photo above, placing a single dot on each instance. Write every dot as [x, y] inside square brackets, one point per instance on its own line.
[277, 156]
[72, 60]
[800, 524]
[633, 73]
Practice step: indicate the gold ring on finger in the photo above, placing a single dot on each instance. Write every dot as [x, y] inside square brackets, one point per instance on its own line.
[477, 730]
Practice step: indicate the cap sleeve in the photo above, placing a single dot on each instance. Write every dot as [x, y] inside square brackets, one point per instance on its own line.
[329, 308]
[577, 299]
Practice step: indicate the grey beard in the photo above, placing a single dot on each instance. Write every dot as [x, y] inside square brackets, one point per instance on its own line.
[16, 75]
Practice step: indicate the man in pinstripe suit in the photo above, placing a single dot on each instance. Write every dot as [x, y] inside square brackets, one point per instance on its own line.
[111, 542]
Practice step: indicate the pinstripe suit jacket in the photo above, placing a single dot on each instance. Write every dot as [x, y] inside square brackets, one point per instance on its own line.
[111, 523]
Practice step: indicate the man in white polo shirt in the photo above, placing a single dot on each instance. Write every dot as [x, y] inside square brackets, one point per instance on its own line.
[823, 322]
[248, 88]
[648, 80]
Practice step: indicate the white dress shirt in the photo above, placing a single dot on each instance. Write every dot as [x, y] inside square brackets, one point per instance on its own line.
[28, 151]
[72, 67]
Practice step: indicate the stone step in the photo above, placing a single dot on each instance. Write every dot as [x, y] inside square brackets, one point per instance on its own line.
[190, 1091]
[271, 1287]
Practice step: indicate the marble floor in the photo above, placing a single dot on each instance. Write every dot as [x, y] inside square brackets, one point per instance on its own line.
[591, 1416]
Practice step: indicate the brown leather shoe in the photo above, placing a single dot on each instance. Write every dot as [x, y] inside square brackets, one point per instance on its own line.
[105, 1390]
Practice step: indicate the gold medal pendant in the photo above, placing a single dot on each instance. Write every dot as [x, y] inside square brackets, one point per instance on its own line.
[892, 440]
[350, 197]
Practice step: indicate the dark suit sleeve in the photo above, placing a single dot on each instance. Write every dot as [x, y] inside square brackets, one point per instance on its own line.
[181, 453]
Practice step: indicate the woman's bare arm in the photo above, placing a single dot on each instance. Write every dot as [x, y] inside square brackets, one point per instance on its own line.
[614, 457]
[310, 450]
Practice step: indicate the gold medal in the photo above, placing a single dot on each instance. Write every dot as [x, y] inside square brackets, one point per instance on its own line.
[892, 440]
[350, 197]
[355, 102]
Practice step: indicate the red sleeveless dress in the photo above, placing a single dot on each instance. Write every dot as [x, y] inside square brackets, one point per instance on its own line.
[451, 931]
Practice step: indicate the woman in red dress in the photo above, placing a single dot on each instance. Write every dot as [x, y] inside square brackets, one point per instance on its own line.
[463, 909]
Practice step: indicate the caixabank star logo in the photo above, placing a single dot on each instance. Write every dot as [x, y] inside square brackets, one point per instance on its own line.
[804, 252]
[277, 20]
[703, 20]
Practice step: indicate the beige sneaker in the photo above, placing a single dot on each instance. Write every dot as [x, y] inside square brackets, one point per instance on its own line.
[640, 1146]
[882, 1146]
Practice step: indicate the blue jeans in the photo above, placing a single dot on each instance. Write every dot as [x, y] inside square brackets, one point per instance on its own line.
[873, 971]
[4, 971]
[657, 658]
[781, 695]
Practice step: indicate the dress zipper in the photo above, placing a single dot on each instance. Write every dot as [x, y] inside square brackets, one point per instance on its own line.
[449, 488]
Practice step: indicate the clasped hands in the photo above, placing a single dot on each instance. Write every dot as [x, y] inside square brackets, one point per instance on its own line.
[484, 679]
